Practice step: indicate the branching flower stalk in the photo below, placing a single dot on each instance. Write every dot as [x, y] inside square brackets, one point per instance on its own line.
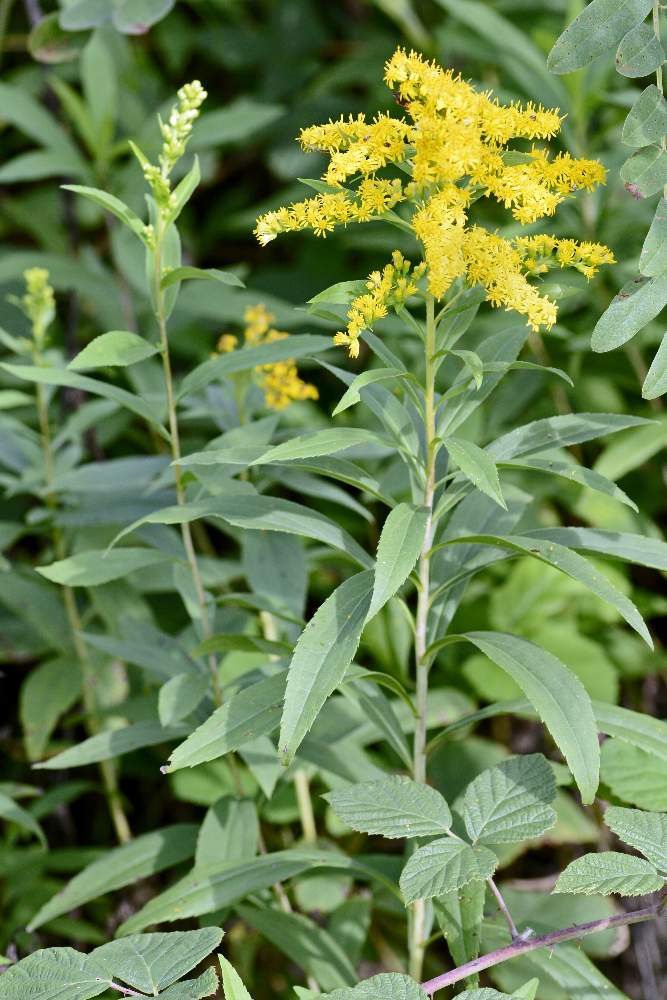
[38, 304]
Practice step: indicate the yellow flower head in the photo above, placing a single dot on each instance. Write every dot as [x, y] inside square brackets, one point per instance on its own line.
[453, 143]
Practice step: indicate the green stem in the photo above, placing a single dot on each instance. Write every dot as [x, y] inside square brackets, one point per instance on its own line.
[417, 930]
[107, 768]
[186, 533]
[306, 815]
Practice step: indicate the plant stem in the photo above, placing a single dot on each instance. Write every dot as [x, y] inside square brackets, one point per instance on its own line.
[502, 906]
[186, 532]
[417, 930]
[305, 804]
[522, 945]
[107, 769]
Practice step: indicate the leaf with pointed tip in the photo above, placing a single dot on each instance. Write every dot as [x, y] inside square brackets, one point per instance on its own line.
[645, 831]
[351, 395]
[392, 807]
[445, 865]
[232, 983]
[317, 443]
[117, 348]
[192, 989]
[477, 466]
[559, 432]
[511, 802]
[152, 962]
[54, 974]
[398, 549]
[112, 743]
[573, 473]
[646, 122]
[609, 872]
[200, 274]
[90, 569]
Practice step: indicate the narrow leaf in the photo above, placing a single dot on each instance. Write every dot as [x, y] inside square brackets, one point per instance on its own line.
[324, 442]
[90, 569]
[177, 274]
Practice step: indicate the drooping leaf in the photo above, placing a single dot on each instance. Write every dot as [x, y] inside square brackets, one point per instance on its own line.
[399, 546]
[54, 974]
[152, 962]
[90, 569]
[116, 348]
[112, 743]
[351, 396]
[511, 802]
[644, 173]
[316, 444]
[392, 807]
[200, 274]
[559, 432]
[645, 831]
[646, 123]
[609, 872]
[48, 691]
[573, 473]
[655, 383]
[113, 205]
[477, 466]
[445, 865]
[599, 27]
[14, 813]
[639, 52]
[616, 544]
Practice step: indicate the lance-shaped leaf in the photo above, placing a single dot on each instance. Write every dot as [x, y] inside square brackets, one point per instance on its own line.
[655, 383]
[511, 802]
[117, 348]
[477, 466]
[192, 989]
[351, 395]
[90, 569]
[445, 865]
[573, 473]
[318, 443]
[14, 813]
[645, 831]
[392, 807]
[54, 974]
[653, 257]
[600, 26]
[152, 962]
[398, 549]
[232, 983]
[112, 743]
[321, 657]
[200, 274]
[460, 915]
[615, 544]
[121, 866]
[646, 123]
[559, 432]
[113, 205]
[609, 872]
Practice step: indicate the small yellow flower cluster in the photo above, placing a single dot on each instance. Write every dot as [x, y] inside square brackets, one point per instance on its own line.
[540, 253]
[175, 134]
[38, 303]
[387, 289]
[280, 381]
[358, 147]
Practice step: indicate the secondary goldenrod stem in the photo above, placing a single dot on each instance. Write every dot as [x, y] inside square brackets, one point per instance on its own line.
[417, 923]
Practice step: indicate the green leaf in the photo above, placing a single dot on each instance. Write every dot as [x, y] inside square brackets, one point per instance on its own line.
[644, 173]
[180, 696]
[392, 807]
[192, 989]
[27, 114]
[559, 432]
[460, 915]
[445, 865]
[229, 832]
[646, 123]
[379, 710]
[655, 383]
[645, 831]
[635, 305]
[90, 569]
[48, 43]
[134, 17]
[341, 293]
[511, 802]
[151, 962]
[48, 691]
[42, 163]
[399, 546]
[609, 872]
[14, 813]
[633, 775]
[477, 466]
[558, 697]
[254, 711]
[121, 866]
[200, 274]
[641, 731]
[316, 443]
[639, 52]
[599, 27]
[118, 347]
[111, 743]
[575, 474]
[351, 395]
[232, 983]
[54, 974]
[615, 544]
[653, 257]
[322, 654]
[113, 205]
[385, 986]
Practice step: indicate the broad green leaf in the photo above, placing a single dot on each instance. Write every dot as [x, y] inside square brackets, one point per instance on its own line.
[477, 466]
[398, 549]
[90, 569]
[445, 865]
[609, 872]
[54, 974]
[653, 258]
[570, 563]
[645, 124]
[559, 432]
[200, 274]
[254, 711]
[599, 27]
[645, 831]
[385, 986]
[113, 205]
[180, 696]
[192, 989]
[392, 807]
[644, 173]
[303, 942]
[152, 962]
[121, 866]
[14, 813]
[460, 915]
[624, 545]
[633, 775]
[232, 983]
[322, 654]
[229, 832]
[639, 52]
[575, 474]
[558, 697]
[317, 443]
[118, 347]
[351, 395]
[112, 743]
[638, 302]
[48, 691]
[511, 802]
[48, 43]
[655, 383]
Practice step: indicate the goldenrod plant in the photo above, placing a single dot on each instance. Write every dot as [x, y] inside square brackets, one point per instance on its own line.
[315, 567]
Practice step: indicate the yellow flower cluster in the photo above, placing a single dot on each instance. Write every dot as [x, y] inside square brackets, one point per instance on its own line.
[454, 144]
[389, 288]
[280, 381]
[175, 134]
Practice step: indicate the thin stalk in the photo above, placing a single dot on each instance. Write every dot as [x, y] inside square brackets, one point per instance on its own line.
[523, 945]
[417, 929]
[107, 769]
[502, 906]
[304, 802]
[186, 532]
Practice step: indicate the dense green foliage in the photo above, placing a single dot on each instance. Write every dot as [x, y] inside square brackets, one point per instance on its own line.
[355, 661]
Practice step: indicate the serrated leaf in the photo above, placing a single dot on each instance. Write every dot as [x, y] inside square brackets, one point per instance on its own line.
[385, 986]
[445, 866]
[599, 27]
[575, 474]
[398, 549]
[200, 274]
[121, 866]
[476, 465]
[511, 802]
[54, 974]
[639, 52]
[192, 989]
[559, 432]
[116, 348]
[653, 256]
[655, 383]
[392, 807]
[351, 395]
[112, 743]
[232, 983]
[460, 915]
[322, 654]
[152, 962]
[645, 831]
[646, 122]
[609, 872]
[254, 711]
[90, 569]
[317, 443]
